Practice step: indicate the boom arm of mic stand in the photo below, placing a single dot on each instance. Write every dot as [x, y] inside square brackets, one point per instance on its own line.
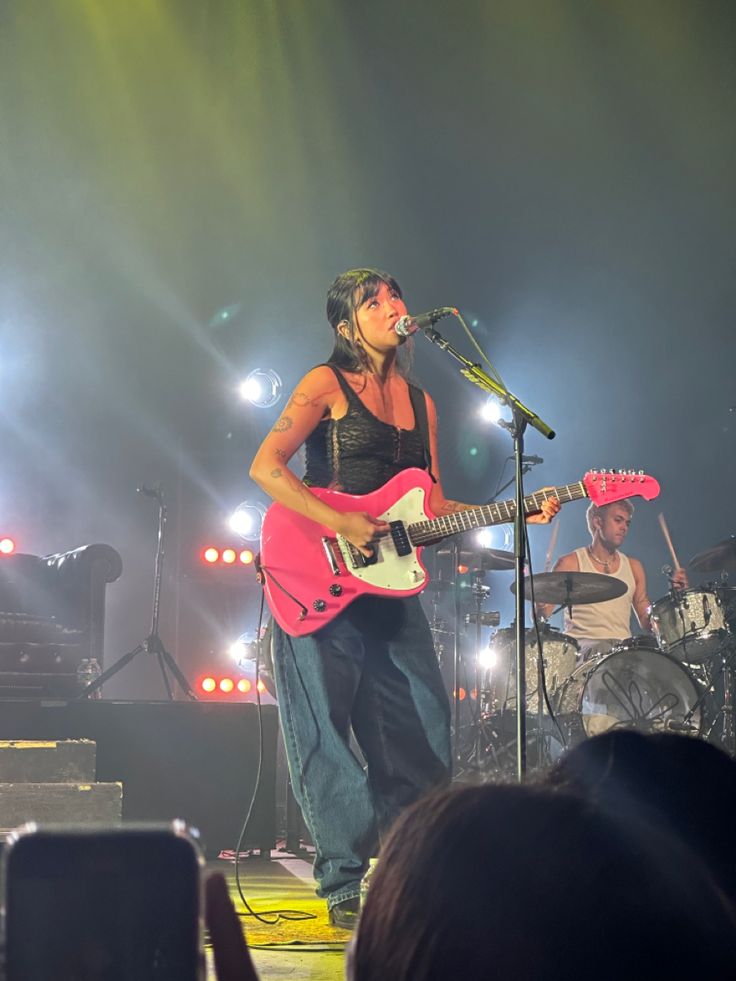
[475, 374]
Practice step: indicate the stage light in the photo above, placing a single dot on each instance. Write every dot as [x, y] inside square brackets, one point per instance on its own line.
[227, 685]
[261, 687]
[244, 686]
[211, 554]
[460, 694]
[262, 388]
[246, 520]
[491, 410]
[499, 536]
[488, 658]
[7, 546]
[208, 684]
[229, 555]
[238, 650]
[246, 556]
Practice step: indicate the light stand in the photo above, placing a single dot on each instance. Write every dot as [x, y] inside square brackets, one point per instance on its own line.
[153, 643]
[522, 416]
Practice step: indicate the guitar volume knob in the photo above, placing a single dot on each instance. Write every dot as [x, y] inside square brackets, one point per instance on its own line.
[319, 605]
[336, 589]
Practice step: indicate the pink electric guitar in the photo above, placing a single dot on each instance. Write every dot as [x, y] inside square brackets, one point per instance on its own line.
[311, 574]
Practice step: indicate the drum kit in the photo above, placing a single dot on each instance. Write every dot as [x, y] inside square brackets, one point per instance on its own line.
[678, 679]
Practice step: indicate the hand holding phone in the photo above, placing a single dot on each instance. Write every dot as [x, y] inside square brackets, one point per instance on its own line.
[119, 904]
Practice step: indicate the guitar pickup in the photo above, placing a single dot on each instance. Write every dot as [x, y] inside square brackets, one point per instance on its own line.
[400, 538]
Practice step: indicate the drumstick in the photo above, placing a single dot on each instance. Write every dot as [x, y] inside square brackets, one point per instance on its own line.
[666, 533]
[552, 545]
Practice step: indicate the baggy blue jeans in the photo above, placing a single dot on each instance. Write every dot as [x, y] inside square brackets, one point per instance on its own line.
[373, 670]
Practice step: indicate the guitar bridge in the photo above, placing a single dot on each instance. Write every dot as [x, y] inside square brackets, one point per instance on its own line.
[353, 556]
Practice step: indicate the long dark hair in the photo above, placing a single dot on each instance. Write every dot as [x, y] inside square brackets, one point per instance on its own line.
[348, 292]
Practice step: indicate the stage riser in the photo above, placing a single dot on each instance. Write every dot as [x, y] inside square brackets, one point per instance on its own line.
[71, 761]
[60, 803]
[191, 760]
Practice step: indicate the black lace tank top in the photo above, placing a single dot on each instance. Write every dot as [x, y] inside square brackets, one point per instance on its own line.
[359, 453]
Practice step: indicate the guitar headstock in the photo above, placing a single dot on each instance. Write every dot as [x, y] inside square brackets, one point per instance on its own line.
[609, 486]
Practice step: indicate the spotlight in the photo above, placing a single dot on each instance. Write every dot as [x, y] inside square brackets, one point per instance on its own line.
[488, 658]
[262, 388]
[491, 410]
[7, 546]
[227, 685]
[244, 650]
[246, 556]
[244, 686]
[211, 554]
[499, 536]
[208, 684]
[246, 520]
[229, 555]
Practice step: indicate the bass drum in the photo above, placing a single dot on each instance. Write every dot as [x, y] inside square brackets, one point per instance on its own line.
[633, 687]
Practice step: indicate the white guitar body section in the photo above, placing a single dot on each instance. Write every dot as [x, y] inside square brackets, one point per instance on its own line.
[391, 570]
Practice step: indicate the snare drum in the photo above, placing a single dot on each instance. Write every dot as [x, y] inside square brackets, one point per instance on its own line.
[558, 651]
[691, 625]
[633, 687]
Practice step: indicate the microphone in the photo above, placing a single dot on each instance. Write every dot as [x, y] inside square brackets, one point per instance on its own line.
[406, 326]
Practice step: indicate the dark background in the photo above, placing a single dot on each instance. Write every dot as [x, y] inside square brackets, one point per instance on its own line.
[562, 171]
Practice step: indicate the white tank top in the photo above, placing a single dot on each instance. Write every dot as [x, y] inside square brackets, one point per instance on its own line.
[608, 620]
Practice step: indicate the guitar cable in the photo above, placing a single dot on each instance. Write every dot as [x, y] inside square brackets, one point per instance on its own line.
[261, 573]
[279, 914]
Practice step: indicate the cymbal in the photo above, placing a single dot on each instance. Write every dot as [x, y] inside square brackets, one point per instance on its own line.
[717, 559]
[574, 588]
[485, 559]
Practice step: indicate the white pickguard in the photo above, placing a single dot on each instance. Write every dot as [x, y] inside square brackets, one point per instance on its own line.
[392, 571]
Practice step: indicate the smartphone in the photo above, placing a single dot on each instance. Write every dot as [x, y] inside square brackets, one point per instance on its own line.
[119, 904]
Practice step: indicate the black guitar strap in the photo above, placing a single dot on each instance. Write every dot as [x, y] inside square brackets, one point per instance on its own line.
[419, 404]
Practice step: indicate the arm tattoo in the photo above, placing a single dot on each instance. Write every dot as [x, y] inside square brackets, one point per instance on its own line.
[302, 400]
[450, 507]
[276, 473]
[281, 454]
[282, 424]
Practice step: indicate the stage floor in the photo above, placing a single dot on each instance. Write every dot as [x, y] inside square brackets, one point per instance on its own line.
[290, 948]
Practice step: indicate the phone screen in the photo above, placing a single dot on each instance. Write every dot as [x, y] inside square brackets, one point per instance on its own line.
[119, 905]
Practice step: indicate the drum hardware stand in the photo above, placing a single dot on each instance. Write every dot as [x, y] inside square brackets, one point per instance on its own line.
[521, 417]
[153, 643]
[726, 710]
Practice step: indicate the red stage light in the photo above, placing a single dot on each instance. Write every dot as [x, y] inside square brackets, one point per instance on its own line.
[208, 684]
[229, 555]
[227, 685]
[246, 556]
[211, 554]
[463, 569]
[7, 546]
[261, 687]
[460, 695]
[244, 686]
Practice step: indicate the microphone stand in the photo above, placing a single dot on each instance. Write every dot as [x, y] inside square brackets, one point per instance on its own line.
[521, 418]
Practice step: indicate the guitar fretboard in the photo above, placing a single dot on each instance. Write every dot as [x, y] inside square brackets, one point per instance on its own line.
[422, 532]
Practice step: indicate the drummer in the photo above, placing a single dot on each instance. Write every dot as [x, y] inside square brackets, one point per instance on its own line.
[597, 627]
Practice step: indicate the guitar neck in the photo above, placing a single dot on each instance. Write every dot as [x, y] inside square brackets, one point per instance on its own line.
[490, 514]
